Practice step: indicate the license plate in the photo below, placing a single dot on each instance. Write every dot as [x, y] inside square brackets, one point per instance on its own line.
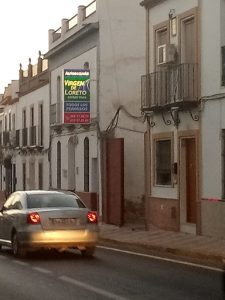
[64, 221]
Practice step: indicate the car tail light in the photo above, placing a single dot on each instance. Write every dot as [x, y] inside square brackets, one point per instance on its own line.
[33, 218]
[92, 217]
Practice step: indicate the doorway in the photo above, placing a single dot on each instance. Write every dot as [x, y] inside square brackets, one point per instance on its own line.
[188, 185]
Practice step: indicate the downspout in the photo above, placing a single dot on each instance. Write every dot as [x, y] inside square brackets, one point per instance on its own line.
[148, 133]
[199, 196]
[50, 134]
[99, 139]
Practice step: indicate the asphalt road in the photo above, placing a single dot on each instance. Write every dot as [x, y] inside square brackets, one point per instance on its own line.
[110, 275]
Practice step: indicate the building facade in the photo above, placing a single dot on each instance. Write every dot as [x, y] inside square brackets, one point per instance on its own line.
[24, 125]
[98, 159]
[182, 99]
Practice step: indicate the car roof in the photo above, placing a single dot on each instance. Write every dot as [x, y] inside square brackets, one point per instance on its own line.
[31, 192]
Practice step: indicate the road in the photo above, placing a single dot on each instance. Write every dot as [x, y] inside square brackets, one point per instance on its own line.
[110, 275]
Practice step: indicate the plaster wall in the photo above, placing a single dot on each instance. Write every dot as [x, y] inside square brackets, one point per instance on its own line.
[160, 13]
[212, 17]
[79, 160]
[78, 63]
[122, 62]
[212, 123]
[33, 99]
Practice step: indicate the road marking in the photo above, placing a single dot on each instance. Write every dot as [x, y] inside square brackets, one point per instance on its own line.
[22, 263]
[42, 270]
[91, 288]
[163, 258]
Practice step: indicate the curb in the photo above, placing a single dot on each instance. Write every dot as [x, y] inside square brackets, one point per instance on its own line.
[135, 246]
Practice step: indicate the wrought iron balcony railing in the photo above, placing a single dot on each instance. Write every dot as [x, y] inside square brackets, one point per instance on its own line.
[175, 85]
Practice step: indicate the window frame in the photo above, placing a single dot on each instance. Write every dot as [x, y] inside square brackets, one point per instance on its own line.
[157, 138]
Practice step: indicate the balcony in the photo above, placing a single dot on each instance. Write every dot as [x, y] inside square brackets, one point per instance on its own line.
[172, 86]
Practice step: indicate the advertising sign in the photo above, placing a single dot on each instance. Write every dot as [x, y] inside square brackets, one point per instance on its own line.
[76, 92]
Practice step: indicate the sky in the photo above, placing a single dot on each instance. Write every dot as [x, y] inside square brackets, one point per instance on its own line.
[24, 26]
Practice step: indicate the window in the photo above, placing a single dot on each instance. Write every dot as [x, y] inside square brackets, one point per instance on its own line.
[53, 200]
[59, 165]
[10, 124]
[40, 175]
[223, 163]
[24, 176]
[40, 125]
[59, 112]
[163, 162]
[86, 164]
[13, 122]
[223, 66]
[5, 123]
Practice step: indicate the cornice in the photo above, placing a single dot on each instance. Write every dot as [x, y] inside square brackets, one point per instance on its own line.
[82, 33]
[151, 3]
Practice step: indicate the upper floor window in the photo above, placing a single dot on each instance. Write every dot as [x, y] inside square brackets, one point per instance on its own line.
[24, 119]
[10, 124]
[32, 116]
[223, 66]
[13, 122]
[5, 123]
[59, 99]
[40, 124]
[86, 164]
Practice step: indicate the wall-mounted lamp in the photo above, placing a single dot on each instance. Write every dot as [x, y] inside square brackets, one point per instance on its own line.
[149, 117]
[174, 112]
[173, 22]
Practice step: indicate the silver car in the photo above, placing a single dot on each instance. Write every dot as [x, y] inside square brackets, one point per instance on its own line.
[31, 220]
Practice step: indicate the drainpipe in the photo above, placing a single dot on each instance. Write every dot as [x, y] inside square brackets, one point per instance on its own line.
[199, 209]
[99, 141]
[148, 135]
[147, 54]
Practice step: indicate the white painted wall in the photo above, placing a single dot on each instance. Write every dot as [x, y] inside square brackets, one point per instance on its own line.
[122, 62]
[76, 63]
[34, 98]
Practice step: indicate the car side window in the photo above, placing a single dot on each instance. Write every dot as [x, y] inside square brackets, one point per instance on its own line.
[16, 203]
[8, 203]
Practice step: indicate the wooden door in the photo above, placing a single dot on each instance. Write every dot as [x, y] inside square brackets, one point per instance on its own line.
[114, 202]
[191, 180]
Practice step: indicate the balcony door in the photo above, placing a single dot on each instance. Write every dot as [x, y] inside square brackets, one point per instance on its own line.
[188, 40]
[188, 56]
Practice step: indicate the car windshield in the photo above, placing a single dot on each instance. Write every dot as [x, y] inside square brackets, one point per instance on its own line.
[53, 200]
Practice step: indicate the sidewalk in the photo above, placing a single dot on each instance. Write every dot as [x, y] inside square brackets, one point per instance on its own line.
[183, 244]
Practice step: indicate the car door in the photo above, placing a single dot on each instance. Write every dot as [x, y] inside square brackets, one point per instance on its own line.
[5, 216]
[12, 216]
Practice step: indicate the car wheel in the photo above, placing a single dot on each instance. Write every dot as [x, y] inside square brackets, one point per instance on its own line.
[88, 252]
[18, 251]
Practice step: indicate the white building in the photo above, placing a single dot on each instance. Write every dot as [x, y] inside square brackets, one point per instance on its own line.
[104, 159]
[183, 99]
[24, 126]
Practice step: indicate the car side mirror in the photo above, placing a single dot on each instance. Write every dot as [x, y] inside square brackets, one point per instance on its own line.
[2, 209]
